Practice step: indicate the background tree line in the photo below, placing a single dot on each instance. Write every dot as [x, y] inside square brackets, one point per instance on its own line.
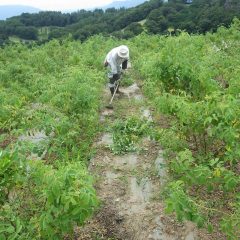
[154, 17]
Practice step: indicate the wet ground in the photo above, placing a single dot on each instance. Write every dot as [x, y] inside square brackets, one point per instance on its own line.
[129, 187]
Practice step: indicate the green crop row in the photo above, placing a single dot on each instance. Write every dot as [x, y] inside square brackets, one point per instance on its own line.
[50, 98]
[195, 79]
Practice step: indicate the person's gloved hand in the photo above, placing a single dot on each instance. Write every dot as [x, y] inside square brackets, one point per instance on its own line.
[125, 64]
[116, 77]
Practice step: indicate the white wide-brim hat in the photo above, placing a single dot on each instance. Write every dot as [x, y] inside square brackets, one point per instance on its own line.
[123, 51]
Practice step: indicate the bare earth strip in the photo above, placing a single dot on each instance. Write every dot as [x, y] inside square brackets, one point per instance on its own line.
[129, 186]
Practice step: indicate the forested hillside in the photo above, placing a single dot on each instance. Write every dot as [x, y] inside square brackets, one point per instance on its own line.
[154, 17]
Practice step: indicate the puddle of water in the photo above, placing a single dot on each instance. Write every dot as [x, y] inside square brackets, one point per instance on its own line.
[36, 106]
[160, 165]
[34, 137]
[35, 156]
[146, 187]
[190, 236]
[146, 114]
[158, 231]
[131, 89]
[138, 97]
[106, 140]
[33, 107]
[140, 192]
[157, 235]
[136, 203]
[38, 139]
[102, 118]
[107, 112]
[128, 160]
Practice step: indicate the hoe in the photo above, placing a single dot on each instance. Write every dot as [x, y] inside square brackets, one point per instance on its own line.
[110, 106]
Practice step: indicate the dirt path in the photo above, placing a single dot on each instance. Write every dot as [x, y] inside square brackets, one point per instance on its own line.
[129, 185]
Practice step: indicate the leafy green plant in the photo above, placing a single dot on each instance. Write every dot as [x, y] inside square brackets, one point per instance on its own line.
[55, 89]
[178, 201]
[126, 134]
[10, 173]
[127, 79]
[68, 196]
[230, 225]
[58, 199]
[195, 80]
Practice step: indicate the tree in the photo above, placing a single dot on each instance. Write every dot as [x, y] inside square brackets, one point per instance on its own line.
[28, 33]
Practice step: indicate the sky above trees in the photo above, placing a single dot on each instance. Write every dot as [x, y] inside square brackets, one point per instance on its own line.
[57, 4]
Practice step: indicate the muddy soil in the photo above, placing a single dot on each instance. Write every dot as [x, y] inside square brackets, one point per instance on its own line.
[129, 186]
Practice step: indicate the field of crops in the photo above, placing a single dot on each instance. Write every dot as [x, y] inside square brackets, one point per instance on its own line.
[49, 110]
[50, 99]
[195, 81]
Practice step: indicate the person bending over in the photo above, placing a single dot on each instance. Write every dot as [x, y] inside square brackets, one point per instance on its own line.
[117, 59]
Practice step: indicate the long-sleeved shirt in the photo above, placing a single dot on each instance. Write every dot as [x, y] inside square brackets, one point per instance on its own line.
[114, 62]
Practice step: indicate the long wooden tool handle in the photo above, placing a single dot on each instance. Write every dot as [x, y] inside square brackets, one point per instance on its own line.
[115, 90]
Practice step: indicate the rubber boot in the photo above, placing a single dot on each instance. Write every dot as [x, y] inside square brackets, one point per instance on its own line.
[112, 90]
